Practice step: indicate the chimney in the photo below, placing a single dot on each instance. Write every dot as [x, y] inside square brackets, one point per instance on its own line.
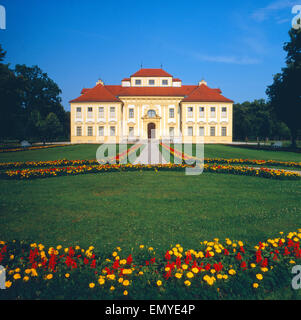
[202, 82]
[99, 82]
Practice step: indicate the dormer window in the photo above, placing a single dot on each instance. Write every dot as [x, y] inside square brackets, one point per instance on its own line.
[151, 82]
[138, 82]
[164, 82]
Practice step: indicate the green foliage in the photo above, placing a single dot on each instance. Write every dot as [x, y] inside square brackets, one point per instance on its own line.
[257, 119]
[12, 114]
[285, 92]
[28, 96]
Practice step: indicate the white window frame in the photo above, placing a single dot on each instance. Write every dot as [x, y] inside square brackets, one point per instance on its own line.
[212, 119]
[81, 131]
[163, 84]
[88, 127]
[202, 115]
[133, 110]
[114, 118]
[78, 115]
[212, 127]
[99, 114]
[171, 129]
[188, 133]
[111, 131]
[90, 115]
[153, 110]
[202, 127]
[226, 129]
[224, 113]
[190, 114]
[131, 132]
[151, 84]
[103, 132]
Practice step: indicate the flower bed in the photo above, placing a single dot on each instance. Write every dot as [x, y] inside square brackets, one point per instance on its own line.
[184, 156]
[85, 169]
[213, 270]
[32, 148]
[119, 158]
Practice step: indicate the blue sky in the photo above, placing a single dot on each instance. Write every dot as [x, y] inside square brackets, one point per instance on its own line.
[234, 45]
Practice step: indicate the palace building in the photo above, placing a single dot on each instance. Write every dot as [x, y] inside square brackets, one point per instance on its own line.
[151, 103]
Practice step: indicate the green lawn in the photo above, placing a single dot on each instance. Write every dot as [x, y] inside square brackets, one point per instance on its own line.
[226, 151]
[71, 152]
[223, 151]
[158, 209]
[88, 151]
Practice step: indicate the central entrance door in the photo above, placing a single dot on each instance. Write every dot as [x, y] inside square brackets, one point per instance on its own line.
[151, 131]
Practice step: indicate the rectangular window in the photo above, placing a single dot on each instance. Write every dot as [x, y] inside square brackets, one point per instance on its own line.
[101, 131]
[212, 112]
[101, 112]
[79, 131]
[137, 82]
[164, 82]
[131, 131]
[190, 112]
[171, 131]
[202, 112]
[224, 112]
[112, 112]
[78, 112]
[90, 112]
[212, 131]
[90, 131]
[131, 113]
[201, 131]
[171, 113]
[151, 82]
[112, 131]
[224, 131]
[190, 131]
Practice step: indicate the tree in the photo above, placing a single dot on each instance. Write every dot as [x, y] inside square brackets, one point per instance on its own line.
[53, 126]
[10, 97]
[27, 97]
[39, 91]
[285, 92]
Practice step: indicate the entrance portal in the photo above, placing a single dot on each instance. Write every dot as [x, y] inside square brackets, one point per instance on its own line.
[151, 131]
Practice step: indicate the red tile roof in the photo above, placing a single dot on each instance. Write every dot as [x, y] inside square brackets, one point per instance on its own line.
[176, 80]
[126, 79]
[151, 73]
[98, 93]
[205, 94]
[190, 93]
[84, 90]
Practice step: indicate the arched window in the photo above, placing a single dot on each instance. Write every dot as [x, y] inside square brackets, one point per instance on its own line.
[151, 113]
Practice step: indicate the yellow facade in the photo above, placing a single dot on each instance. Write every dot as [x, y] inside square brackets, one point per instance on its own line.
[134, 116]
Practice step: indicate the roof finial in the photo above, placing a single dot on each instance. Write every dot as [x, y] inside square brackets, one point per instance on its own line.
[161, 66]
[141, 65]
